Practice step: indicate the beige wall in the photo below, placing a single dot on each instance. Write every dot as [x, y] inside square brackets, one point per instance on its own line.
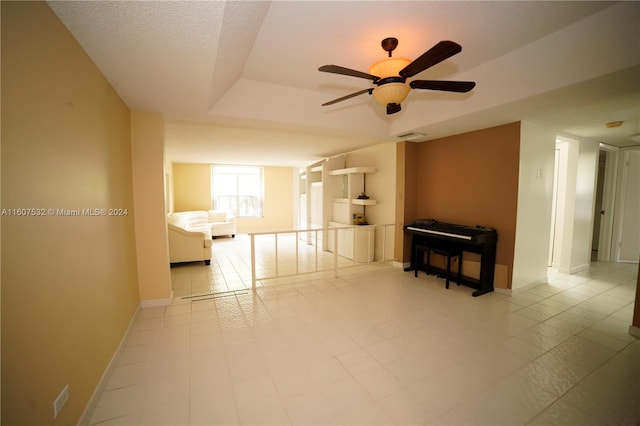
[69, 286]
[147, 146]
[192, 186]
[278, 202]
[381, 185]
[192, 191]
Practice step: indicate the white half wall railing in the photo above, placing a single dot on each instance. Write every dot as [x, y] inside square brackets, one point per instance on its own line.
[302, 251]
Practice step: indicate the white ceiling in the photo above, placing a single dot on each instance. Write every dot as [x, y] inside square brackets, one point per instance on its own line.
[237, 81]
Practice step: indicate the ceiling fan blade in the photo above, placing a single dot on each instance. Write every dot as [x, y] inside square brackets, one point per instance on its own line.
[336, 69]
[447, 86]
[438, 53]
[360, 92]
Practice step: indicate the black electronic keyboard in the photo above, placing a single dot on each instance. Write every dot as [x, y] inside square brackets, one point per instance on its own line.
[474, 239]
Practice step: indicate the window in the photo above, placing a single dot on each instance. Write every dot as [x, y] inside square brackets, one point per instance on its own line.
[238, 189]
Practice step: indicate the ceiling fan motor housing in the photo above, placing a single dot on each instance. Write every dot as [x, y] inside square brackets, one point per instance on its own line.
[389, 44]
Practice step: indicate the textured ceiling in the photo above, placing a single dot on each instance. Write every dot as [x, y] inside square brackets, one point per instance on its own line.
[237, 81]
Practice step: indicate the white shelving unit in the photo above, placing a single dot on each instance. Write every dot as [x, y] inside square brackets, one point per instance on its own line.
[348, 184]
[331, 200]
[352, 181]
[352, 170]
[359, 202]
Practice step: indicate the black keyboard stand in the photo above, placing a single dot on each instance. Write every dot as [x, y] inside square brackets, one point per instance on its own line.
[453, 238]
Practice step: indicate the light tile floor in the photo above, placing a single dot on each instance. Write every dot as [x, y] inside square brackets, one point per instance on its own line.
[377, 346]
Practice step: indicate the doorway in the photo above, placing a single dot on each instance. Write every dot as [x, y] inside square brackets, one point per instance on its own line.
[604, 209]
[599, 211]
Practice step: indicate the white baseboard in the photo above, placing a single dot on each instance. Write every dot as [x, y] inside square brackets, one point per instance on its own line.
[529, 286]
[152, 303]
[505, 291]
[85, 418]
[573, 270]
[579, 268]
[634, 331]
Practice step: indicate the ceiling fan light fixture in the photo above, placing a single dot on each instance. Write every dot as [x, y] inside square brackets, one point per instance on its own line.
[391, 93]
[388, 67]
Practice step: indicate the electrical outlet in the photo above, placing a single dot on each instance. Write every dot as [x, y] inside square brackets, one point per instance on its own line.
[59, 402]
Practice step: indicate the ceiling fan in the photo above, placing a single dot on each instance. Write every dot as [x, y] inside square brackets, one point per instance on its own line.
[390, 75]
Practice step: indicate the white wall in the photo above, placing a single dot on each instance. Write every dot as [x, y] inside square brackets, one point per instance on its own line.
[576, 201]
[533, 217]
[584, 205]
[628, 217]
[567, 172]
